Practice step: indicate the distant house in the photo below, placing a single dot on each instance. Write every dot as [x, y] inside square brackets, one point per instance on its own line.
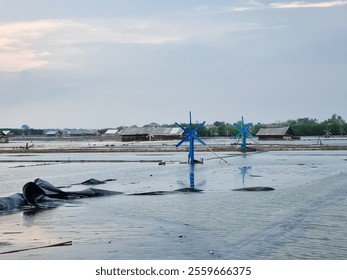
[84, 132]
[8, 133]
[153, 124]
[4, 136]
[150, 133]
[53, 133]
[276, 133]
[111, 132]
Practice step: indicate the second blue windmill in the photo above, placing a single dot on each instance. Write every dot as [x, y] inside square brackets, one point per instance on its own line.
[243, 133]
[191, 136]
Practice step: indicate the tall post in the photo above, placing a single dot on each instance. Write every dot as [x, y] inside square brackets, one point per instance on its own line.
[191, 140]
[244, 137]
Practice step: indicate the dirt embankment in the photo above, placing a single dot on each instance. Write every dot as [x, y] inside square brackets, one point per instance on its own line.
[163, 148]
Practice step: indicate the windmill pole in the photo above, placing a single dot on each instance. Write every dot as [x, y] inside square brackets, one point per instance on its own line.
[191, 151]
[244, 141]
[191, 140]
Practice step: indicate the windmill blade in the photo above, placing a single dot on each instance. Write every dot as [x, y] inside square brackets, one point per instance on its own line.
[198, 127]
[249, 134]
[183, 128]
[184, 139]
[238, 126]
[238, 134]
[199, 140]
[248, 126]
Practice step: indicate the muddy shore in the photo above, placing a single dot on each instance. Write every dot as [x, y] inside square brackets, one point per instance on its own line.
[109, 145]
[165, 148]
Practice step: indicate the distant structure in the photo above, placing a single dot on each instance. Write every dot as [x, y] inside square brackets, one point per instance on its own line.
[83, 132]
[276, 133]
[25, 127]
[191, 136]
[150, 133]
[243, 133]
[327, 132]
[54, 133]
[111, 132]
[4, 136]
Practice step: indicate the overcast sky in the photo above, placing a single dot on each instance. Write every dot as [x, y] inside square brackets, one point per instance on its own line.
[106, 63]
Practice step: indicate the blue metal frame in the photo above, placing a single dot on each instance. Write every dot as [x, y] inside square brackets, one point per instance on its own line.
[191, 135]
[243, 132]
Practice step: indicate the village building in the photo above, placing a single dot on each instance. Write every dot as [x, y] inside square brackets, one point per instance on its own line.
[84, 132]
[4, 136]
[54, 133]
[111, 132]
[150, 133]
[276, 133]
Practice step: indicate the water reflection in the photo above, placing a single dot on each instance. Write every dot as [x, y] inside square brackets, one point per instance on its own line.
[192, 177]
[244, 170]
[192, 186]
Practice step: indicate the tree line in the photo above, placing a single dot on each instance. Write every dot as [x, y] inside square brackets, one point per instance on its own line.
[335, 125]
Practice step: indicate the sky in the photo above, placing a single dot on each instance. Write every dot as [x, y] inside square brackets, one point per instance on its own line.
[109, 63]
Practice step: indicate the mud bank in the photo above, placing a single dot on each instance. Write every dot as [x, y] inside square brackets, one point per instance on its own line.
[156, 149]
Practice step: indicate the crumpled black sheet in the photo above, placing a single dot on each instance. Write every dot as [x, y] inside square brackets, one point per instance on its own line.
[42, 194]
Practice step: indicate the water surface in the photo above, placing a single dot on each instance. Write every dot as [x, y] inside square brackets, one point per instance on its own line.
[303, 218]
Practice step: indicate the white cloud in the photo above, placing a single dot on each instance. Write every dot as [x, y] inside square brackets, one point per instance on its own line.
[16, 53]
[65, 43]
[303, 4]
[258, 5]
[28, 45]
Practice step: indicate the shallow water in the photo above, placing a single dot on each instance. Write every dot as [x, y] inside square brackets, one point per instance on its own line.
[303, 218]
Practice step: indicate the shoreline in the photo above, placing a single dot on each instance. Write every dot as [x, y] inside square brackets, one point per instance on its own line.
[167, 148]
[35, 145]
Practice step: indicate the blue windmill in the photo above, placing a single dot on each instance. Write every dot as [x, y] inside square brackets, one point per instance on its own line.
[243, 133]
[191, 135]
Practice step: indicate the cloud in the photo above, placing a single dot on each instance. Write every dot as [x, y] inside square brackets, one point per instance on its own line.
[303, 4]
[16, 53]
[29, 45]
[252, 5]
[56, 44]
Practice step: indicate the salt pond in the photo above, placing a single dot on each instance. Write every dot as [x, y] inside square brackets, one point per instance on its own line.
[303, 218]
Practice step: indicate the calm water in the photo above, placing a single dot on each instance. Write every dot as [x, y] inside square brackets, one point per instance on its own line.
[303, 218]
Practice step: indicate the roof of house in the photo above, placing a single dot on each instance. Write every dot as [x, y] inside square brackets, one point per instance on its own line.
[53, 132]
[166, 131]
[6, 132]
[135, 131]
[111, 131]
[83, 131]
[274, 131]
[151, 130]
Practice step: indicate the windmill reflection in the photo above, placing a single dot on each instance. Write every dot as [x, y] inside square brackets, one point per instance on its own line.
[244, 170]
[192, 177]
[192, 186]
